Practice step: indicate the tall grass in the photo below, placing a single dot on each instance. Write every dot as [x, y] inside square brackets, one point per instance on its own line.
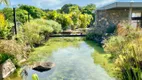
[126, 49]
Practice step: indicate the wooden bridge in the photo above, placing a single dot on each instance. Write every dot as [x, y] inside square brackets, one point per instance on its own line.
[83, 35]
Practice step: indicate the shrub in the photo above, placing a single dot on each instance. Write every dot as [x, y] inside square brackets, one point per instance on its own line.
[50, 23]
[36, 31]
[4, 27]
[56, 26]
[12, 48]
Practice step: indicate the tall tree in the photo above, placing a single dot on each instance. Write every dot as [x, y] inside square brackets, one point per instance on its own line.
[89, 8]
[8, 13]
[33, 11]
[85, 20]
[66, 8]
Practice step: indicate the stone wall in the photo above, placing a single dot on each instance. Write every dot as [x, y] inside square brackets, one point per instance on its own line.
[109, 18]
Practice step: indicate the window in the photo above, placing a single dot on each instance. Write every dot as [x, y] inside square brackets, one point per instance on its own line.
[138, 14]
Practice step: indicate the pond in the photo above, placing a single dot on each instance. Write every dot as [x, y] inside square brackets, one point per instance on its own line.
[73, 62]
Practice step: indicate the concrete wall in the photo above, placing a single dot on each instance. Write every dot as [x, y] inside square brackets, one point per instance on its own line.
[109, 18]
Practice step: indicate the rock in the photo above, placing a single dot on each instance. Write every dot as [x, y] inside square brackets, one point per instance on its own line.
[22, 61]
[6, 69]
[43, 66]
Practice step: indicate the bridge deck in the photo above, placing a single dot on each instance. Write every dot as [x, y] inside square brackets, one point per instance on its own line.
[67, 35]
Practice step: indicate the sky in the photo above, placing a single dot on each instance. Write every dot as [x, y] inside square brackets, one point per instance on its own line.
[57, 4]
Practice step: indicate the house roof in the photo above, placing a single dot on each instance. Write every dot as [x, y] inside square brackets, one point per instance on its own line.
[121, 5]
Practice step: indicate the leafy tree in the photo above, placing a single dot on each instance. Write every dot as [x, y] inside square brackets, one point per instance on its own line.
[85, 20]
[33, 11]
[65, 20]
[74, 9]
[8, 12]
[22, 15]
[66, 8]
[52, 15]
[76, 21]
[89, 9]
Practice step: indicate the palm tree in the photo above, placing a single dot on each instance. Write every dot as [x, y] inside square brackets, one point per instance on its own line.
[4, 1]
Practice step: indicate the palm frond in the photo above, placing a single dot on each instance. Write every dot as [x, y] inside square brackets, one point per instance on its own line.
[4, 1]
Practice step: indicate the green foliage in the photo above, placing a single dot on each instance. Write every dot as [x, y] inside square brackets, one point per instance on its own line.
[8, 13]
[85, 20]
[65, 20]
[4, 27]
[33, 11]
[33, 33]
[75, 19]
[126, 50]
[89, 8]
[74, 9]
[36, 31]
[67, 8]
[22, 15]
[52, 15]
[35, 77]
[4, 57]
[56, 26]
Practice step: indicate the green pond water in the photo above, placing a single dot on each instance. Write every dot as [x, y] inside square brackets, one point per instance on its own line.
[73, 61]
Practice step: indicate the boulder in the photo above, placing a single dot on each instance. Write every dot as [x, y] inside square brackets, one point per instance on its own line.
[43, 66]
[6, 69]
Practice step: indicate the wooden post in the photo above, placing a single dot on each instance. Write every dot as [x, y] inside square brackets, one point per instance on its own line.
[130, 14]
[141, 20]
[28, 16]
[14, 20]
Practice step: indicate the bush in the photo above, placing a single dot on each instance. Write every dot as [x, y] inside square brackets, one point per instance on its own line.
[126, 49]
[4, 27]
[37, 31]
[12, 48]
[50, 23]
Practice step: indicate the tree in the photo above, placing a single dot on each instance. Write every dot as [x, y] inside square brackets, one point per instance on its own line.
[65, 20]
[89, 9]
[33, 11]
[74, 9]
[22, 15]
[52, 15]
[66, 8]
[85, 20]
[8, 13]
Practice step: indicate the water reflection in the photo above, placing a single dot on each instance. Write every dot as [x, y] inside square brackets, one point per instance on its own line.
[72, 63]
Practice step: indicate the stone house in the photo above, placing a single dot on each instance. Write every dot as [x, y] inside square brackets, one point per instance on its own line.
[109, 16]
